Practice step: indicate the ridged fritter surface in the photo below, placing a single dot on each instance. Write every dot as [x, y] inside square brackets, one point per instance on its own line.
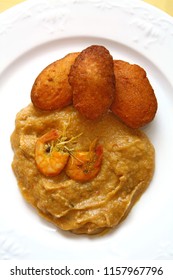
[135, 102]
[93, 81]
[51, 89]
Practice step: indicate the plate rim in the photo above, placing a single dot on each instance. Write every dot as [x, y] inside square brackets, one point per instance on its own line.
[20, 6]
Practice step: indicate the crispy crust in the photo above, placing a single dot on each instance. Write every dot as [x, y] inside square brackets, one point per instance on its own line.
[93, 81]
[51, 89]
[135, 102]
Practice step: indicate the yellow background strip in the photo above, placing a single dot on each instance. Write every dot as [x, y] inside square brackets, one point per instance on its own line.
[5, 4]
[165, 5]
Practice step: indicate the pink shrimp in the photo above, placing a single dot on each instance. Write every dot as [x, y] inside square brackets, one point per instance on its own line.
[85, 165]
[50, 158]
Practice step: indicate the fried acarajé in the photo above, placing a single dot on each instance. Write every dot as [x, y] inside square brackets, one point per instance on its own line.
[51, 89]
[85, 176]
[93, 81]
[135, 102]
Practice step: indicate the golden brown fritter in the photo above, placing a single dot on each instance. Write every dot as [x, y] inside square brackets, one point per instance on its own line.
[135, 102]
[93, 81]
[51, 89]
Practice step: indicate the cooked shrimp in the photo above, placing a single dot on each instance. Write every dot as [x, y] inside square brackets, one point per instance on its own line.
[85, 165]
[50, 157]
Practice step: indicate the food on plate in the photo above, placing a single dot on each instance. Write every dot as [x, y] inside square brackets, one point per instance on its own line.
[135, 102]
[124, 156]
[93, 81]
[51, 89]
[51, 156]
[78, 157]
[85, 165]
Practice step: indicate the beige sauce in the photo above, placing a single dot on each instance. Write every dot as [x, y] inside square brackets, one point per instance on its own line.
[90, 207]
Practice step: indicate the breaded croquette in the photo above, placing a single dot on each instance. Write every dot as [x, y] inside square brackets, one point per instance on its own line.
[51, 89]
[93, 81]
[135, 102]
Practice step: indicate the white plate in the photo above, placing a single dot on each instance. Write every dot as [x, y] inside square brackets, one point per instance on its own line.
[35, 33]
